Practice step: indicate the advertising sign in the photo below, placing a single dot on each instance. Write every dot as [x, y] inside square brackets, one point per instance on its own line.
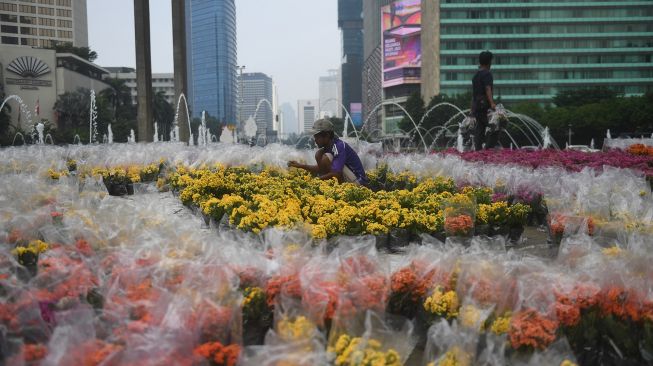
[356, 114]
[401, 24]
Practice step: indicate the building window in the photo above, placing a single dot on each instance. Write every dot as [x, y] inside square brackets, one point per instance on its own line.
[64, 13]
[64, 3]
[65, 34]
[9, 40]
[64, 23]
[27, 20]
[8, 18]
[46, 2]
[46, 22]
[29, 42]
[47, 32]
[46, 11]
[8, 7]
[46, 43]
[29, 31]
[28, 9]
[9, 29]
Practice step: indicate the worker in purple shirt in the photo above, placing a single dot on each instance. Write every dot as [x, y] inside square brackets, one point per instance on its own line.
[335, 158]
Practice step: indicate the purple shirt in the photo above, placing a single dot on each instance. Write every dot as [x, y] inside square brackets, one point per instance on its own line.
[344, 155]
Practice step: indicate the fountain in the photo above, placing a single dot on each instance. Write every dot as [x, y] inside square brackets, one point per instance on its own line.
[92, 123]
[51, 140]
[76, 138]
[23, 107]
[459, 142]
[156, 132]
[105, 139]
[110, 134]
[21, 137]
[132, 136]
[39, 130]
[174, 134]
[345, 131]
[592, 144]
[607, 134]
[175, 125]
[203, 132]
[546, 138]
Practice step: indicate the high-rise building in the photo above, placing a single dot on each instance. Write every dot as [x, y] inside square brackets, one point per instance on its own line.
[43, 23]
[372, 89]
[257, 89]
[308, 111]
[211, 53]
[329, 95]
[544, 47]
[350, 22]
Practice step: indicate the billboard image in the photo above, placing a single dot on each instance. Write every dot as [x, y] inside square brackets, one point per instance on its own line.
[356, 114]
[401, 24]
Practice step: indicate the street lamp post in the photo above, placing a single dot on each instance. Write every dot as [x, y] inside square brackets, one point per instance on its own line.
[240, 96]
[569, 139]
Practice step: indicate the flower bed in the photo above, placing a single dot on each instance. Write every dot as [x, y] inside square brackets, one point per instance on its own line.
[567, 159]
[275, 198]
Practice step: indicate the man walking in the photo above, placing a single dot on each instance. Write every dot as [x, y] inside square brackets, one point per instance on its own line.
[482, 101]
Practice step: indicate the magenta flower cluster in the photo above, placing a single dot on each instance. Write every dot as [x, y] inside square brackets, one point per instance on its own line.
[568, 159]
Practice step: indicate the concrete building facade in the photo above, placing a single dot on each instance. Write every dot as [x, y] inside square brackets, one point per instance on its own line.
[43, 23]
[39, 76]
[161, 82]
[350, 22]
[329, 94]
[257, 88]
[308, 111]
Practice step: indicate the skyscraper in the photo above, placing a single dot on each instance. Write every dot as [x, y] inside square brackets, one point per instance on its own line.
[350, 22]
[211, 50]
[44, 23]
[329, 95]
[257, 87]
[307, 113]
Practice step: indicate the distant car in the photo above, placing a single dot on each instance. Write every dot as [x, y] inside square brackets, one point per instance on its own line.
[583, 148]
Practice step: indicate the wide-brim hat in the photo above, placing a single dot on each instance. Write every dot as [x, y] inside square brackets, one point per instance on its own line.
[322, 125]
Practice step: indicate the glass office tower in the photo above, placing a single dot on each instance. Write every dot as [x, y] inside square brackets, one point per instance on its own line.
[211, 48]
[350, 22]
[547, 46]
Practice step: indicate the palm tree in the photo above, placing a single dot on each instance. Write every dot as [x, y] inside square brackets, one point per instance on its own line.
[163, 112]
[118, 95]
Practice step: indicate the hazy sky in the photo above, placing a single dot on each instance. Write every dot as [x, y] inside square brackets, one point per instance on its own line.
[294, 41]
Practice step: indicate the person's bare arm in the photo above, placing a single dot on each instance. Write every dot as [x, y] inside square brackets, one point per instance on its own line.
[311, 168]
[330, 175]
[488, 94]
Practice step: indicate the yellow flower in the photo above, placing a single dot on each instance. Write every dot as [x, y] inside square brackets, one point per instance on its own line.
[294, 330]
[614, 251]
[455, 357]
[35, 247]
[442, 303]
[568, 363]
[501, 324]
[470, 317]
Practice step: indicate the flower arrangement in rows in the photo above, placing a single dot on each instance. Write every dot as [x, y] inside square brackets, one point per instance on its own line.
[274, 198]
[351, 351]
[640, 149]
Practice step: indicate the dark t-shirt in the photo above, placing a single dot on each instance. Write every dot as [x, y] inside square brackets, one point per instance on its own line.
[344, 155]
[482, 79]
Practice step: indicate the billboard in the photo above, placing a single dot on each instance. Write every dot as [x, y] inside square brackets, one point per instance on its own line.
[401, 24]
[356, 114]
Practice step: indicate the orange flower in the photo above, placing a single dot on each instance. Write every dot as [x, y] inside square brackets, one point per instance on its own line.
[622, 303]
[288, 285]
[34, 352]
[219, 354]
[529, 328]
[458, 225]
[640, 149]
[568, 315]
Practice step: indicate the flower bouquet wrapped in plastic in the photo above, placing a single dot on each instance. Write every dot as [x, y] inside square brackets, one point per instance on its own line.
[378, 341]
[459, 216]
